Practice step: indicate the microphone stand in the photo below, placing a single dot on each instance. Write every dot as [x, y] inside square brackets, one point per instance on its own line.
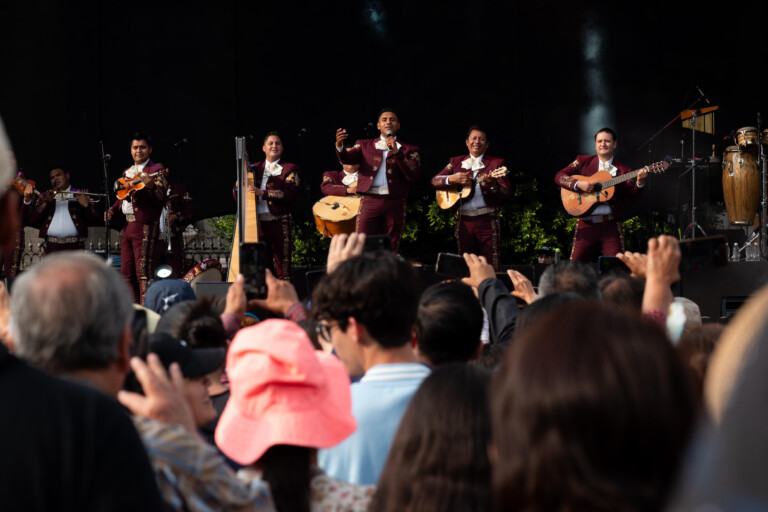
[308, 191]
[104, 164]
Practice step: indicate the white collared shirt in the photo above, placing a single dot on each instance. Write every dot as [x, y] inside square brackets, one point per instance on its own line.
[605, 209]
[131, 173]
[261, 203]
[62, 223]
[380, 180]
[477, 201]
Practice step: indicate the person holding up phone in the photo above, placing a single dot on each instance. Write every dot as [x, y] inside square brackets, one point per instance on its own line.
[477, 219]
[387, 166]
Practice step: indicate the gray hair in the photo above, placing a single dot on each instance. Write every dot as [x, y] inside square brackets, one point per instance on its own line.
[68, 312]
[570, 276]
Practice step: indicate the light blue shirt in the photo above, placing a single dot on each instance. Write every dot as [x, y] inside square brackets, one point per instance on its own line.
[378, 404]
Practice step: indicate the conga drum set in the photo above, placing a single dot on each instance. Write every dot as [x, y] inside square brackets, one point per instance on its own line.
[744, 185]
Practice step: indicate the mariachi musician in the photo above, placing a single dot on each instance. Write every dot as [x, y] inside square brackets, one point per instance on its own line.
[600, 230]
[275, 185]
[62, 214]
[177, 214]
[139, 250]
[477, 223]
[341, 183]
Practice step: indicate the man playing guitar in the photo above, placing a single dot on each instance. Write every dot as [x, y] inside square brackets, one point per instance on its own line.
[600, 229]
[477, 222]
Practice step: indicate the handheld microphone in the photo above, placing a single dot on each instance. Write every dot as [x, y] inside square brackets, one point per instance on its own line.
[390, 146]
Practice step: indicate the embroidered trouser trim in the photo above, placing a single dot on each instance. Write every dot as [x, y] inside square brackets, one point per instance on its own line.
[480, 235]
[590, 239]
[382, 215]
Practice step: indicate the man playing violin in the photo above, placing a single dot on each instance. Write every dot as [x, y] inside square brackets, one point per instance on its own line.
[477, 218]
[62, 214]
[601, 228]
[139, 250]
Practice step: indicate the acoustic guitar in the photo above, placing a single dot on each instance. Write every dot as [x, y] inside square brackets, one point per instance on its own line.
[578, 203]
[448, 197]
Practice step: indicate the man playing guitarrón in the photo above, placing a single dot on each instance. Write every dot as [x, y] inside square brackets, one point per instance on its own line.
[600, 228]
[477, 223]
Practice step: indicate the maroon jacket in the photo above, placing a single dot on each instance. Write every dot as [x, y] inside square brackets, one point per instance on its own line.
[180, 203]
[40, 213]
[402, 168]
[147, 203]
[332, 185]
[494, 190]
[280, 189]
[587, 165]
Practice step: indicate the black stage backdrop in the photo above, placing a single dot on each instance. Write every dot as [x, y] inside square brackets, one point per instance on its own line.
[541, 76]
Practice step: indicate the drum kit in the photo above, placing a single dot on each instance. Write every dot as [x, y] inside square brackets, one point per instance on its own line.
[744, 185]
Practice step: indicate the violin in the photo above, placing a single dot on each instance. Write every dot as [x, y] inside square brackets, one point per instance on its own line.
[20, 183]
[124, 186]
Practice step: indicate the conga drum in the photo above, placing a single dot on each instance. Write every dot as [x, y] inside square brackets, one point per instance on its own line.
[747, 138]
[741, 185]
[335, 214]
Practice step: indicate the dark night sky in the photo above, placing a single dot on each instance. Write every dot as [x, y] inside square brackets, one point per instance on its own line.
[80, 72]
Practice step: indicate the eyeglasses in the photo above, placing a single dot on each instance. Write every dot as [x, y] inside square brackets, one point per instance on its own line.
[323, 331]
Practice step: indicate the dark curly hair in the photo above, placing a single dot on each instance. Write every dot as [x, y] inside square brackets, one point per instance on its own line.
[378, 289]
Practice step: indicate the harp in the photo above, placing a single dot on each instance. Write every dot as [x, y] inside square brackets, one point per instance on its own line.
[246, 222]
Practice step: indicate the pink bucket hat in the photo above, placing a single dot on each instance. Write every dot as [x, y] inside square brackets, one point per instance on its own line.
[282, 391]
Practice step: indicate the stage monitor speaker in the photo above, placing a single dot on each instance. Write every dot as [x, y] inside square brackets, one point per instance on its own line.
[718, 291]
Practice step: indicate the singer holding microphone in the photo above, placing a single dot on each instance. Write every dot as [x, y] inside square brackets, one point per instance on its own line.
[387, 166]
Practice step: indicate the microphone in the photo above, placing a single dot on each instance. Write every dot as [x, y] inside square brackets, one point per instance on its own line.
[180, 143]
[391, 147]
[107, 157]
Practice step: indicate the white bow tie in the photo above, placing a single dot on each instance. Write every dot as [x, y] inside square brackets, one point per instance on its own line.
[472, 163]
[382, 145]
[272, 169]
[349, 179]
[605, 166]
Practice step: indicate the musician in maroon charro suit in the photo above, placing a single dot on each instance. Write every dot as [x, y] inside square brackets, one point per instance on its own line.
[600, 229]
[139, 248]
[180, 209]
[275, 185]
[340, 183]
[477, 217]
[387, 166]
[62, 214]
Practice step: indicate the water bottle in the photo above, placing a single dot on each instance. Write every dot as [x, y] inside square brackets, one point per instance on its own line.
[735, 253]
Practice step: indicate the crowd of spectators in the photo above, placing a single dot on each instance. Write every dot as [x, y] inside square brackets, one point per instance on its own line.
[375, 394]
